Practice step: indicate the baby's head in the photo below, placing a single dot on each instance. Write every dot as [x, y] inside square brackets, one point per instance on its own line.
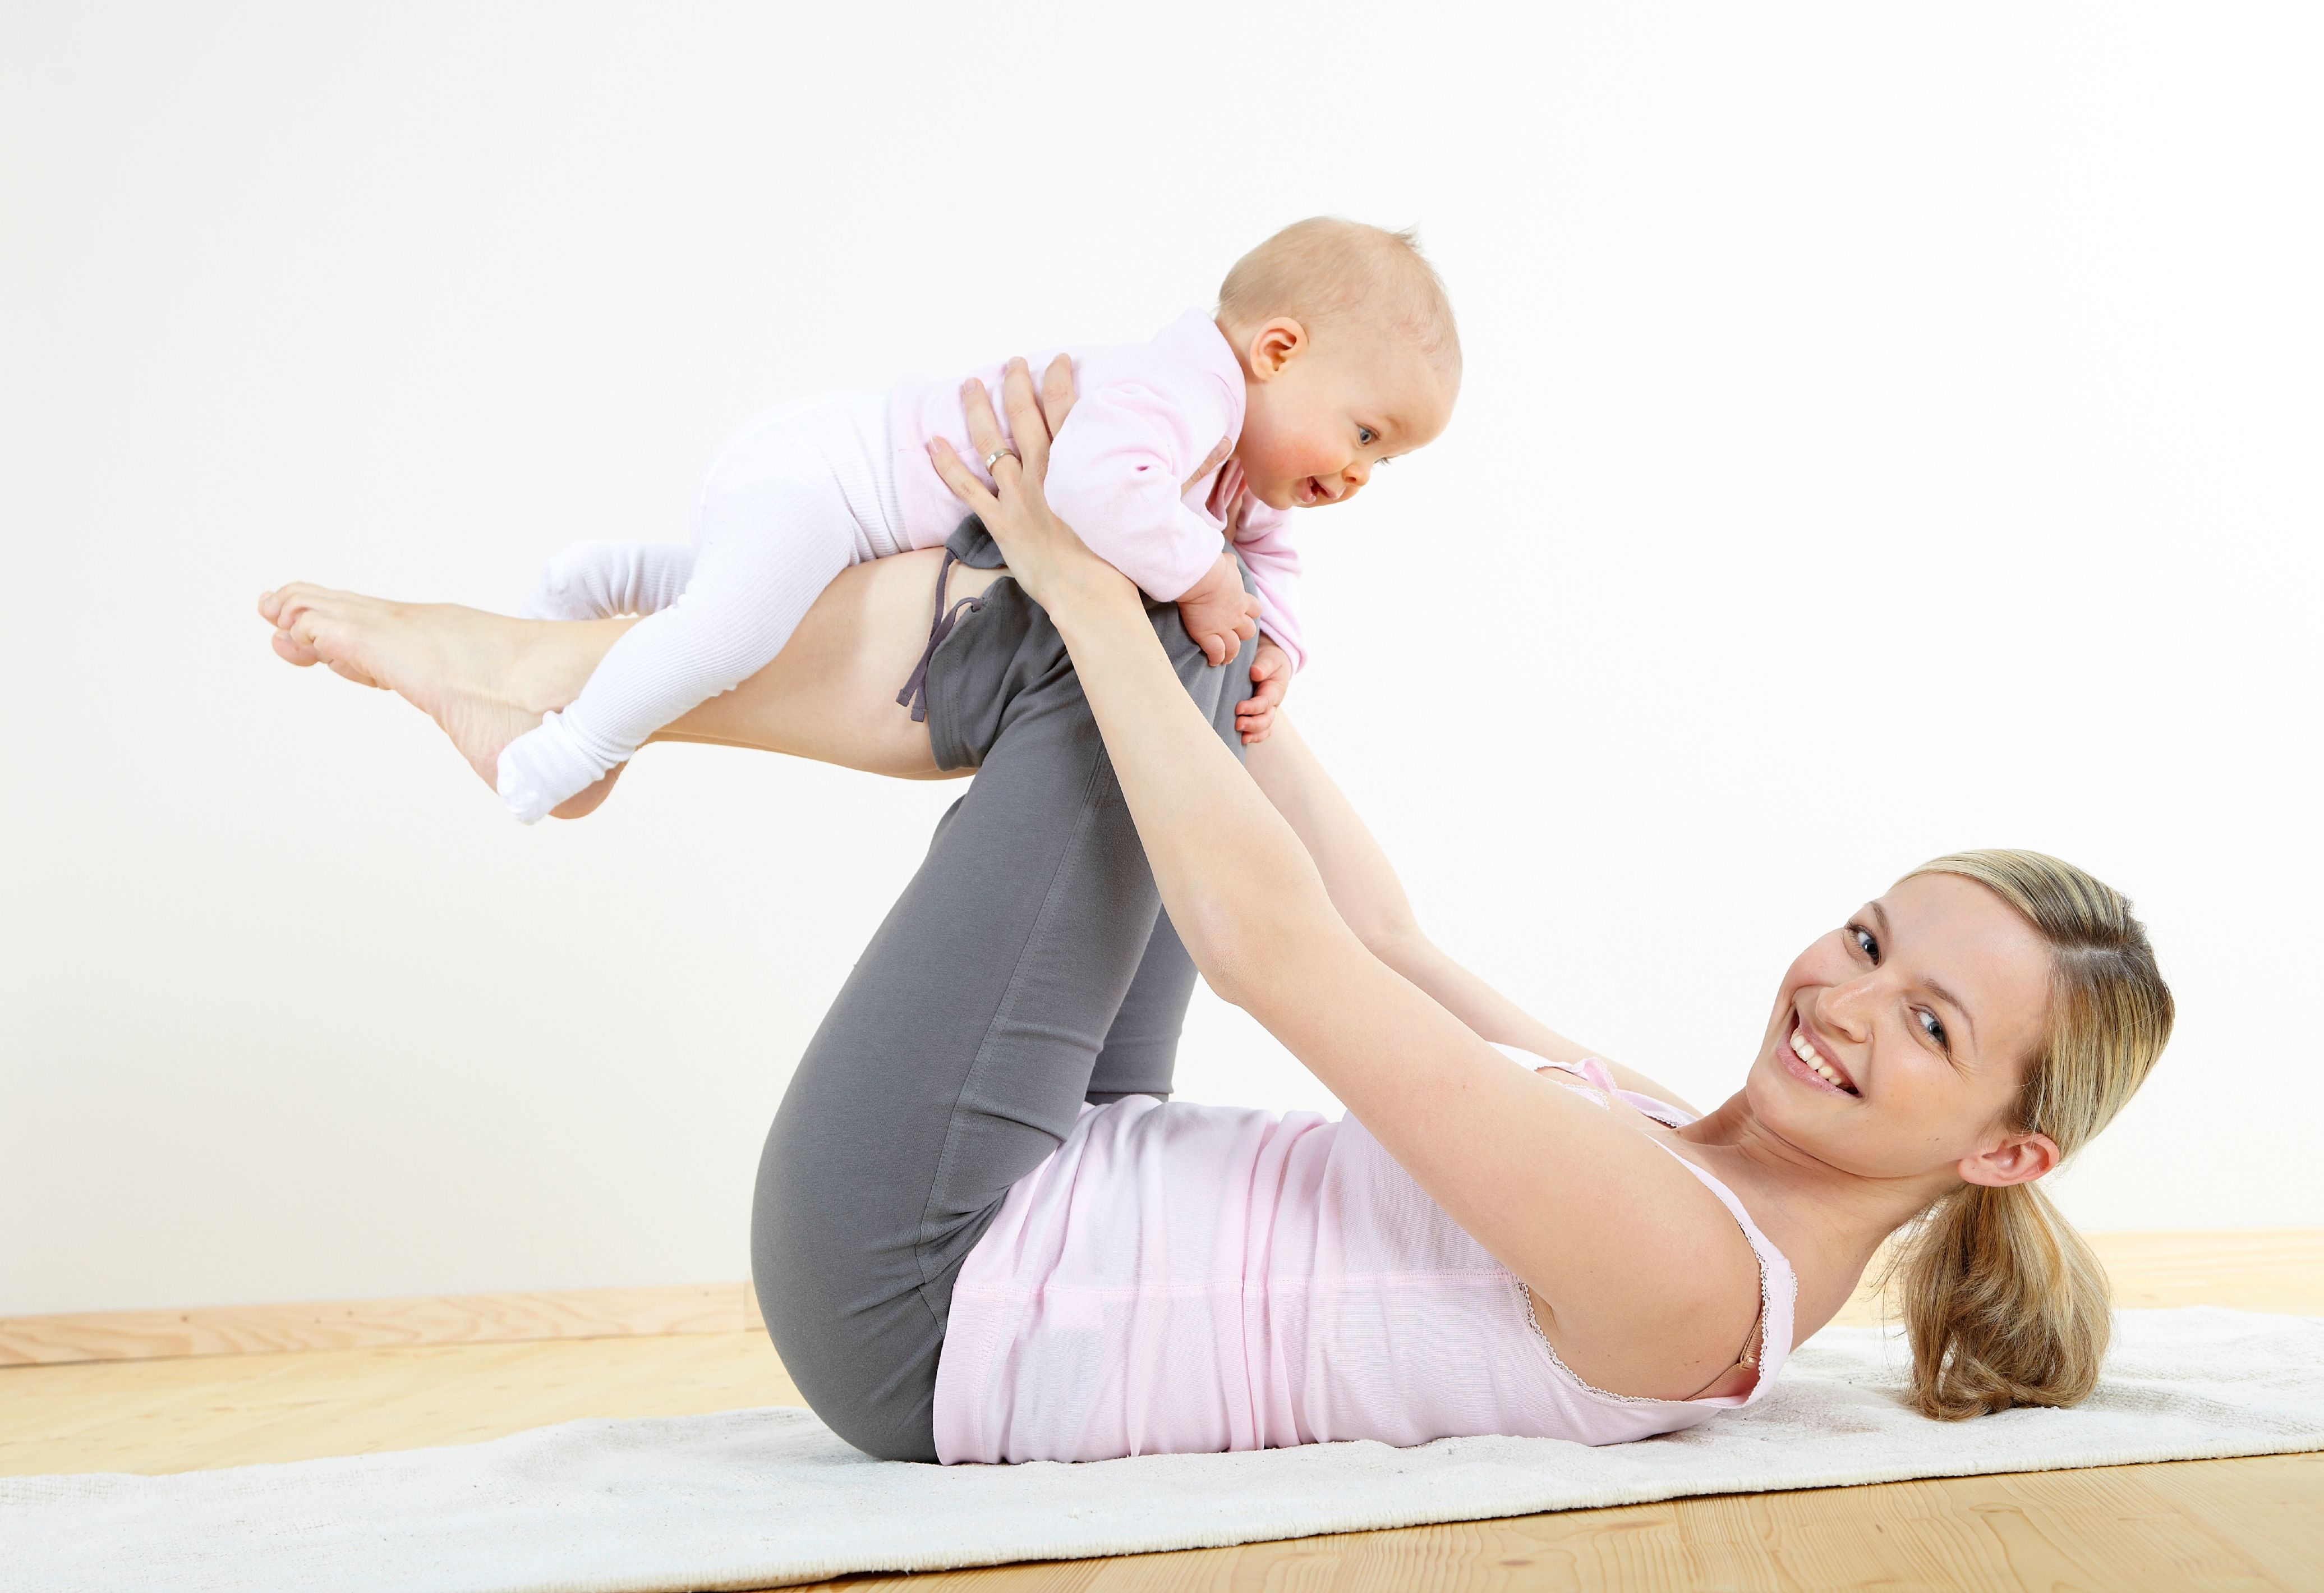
[1349, 358]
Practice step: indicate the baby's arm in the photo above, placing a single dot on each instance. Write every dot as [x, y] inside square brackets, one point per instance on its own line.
[1270, 678]
[1218, 614]
[1118, 473]
[1263, 539]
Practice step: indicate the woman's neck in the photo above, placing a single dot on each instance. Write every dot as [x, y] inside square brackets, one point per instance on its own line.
[1828, 1223]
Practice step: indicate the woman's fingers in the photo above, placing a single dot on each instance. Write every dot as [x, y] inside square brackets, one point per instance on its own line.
[983, 427]
[964, 483]
[1057, 391]
[1027, 423]
[1218, 455]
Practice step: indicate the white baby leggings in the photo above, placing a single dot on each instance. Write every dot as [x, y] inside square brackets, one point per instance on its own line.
[800, 493]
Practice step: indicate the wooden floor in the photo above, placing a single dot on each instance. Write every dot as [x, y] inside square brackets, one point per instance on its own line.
[2249, 1524]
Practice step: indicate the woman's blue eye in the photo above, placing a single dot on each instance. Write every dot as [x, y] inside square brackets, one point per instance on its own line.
[1934, 1029]
[1864, 942]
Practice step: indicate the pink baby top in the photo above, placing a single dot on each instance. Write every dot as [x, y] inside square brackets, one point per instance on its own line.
[1147, 415]
[1188, 1278]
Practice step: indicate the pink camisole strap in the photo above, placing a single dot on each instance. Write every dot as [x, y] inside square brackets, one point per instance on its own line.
[1778, 1285]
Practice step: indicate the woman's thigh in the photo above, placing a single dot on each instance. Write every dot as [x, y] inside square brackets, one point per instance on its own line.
[957, 1056]
[830, 694]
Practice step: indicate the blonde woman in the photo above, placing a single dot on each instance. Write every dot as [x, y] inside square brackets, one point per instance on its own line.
[983, 1233]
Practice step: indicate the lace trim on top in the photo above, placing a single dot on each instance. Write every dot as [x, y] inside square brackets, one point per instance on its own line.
[1755, 1342]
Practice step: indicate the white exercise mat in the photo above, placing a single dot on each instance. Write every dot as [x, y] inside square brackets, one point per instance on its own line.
[757, 1498]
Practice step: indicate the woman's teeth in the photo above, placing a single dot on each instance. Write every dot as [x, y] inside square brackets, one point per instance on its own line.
[1821, 1068]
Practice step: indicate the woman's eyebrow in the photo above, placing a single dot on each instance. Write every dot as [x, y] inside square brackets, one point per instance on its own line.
[1880, 915]
[1954, 1002]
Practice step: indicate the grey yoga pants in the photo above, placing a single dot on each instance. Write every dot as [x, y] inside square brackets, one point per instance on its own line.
[1026, 969]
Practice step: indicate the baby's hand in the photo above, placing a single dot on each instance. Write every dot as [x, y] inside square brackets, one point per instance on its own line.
[1270, 678]
[1218, 614]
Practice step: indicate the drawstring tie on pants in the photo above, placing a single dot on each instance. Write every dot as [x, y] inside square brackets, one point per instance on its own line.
[916, 690]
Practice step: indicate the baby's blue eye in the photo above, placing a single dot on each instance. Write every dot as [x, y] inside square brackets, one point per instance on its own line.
[1368, 435]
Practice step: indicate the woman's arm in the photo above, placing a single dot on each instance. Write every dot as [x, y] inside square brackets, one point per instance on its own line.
[1364, 888]
[1648, 1284]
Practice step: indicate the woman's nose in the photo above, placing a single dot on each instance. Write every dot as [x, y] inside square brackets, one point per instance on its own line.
[1846, 1009]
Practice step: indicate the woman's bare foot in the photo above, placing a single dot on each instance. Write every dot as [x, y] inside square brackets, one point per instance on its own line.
[587, 803]
[484, 679]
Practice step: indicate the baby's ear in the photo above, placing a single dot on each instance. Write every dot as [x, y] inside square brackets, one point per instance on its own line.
[1275, 344]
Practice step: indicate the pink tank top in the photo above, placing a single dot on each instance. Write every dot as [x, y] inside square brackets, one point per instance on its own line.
[1188, 1278]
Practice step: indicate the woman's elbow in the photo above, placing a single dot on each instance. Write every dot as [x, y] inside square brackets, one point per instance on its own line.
[1217, 940]
[1248, 957]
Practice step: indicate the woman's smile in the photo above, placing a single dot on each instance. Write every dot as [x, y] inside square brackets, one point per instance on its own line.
[1807, 1062]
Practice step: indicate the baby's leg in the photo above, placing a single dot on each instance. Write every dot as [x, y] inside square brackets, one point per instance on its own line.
[597, 581]
[772, 547]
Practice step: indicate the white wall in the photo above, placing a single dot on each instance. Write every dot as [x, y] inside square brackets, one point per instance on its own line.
[1887, 430]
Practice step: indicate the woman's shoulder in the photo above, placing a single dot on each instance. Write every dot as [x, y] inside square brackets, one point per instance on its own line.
[1699, 1284]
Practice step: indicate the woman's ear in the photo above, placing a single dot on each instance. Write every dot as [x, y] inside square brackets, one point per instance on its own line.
[2021, 1158]
[1275, 344]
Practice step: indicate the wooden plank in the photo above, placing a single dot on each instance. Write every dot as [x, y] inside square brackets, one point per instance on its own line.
[2251, 1269]
[196, 1412]
[2253, 1524]
[2246, 1269]
[2246, 1523]
[356, 1324]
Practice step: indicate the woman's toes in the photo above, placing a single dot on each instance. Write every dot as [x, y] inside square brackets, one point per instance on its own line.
[292, 650]
[348, 672]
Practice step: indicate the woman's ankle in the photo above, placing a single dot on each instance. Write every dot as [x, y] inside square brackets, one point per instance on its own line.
[550, 660]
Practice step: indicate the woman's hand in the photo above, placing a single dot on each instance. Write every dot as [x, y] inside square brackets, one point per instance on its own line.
[1044, 554]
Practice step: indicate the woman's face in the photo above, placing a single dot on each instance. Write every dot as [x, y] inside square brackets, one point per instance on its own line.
[1917, 1018]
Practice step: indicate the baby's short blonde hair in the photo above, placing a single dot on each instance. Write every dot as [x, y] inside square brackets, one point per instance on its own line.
[1324, 269]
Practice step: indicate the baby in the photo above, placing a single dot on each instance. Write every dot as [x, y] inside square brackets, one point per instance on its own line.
[1333, 348]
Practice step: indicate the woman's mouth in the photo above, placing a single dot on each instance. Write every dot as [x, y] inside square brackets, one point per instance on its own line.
[1805, 1062]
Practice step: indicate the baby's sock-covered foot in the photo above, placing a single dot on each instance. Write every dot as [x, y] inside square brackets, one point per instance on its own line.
[597, 581]
[544, 767]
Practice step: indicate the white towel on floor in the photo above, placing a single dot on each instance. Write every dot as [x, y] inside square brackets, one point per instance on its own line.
[759, 1498]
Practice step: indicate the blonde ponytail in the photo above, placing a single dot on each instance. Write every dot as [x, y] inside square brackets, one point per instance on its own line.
[2002, 1301]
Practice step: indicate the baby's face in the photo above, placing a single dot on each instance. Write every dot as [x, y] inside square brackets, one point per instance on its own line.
[1321, 415]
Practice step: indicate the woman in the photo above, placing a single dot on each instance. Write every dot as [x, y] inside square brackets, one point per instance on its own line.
[979, 1234]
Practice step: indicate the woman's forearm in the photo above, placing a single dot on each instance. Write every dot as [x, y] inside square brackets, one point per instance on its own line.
[1370, 897]
[1239, 885]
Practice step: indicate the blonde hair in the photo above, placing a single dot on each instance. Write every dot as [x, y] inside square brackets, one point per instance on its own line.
[1324, 271]
[2003, 1303]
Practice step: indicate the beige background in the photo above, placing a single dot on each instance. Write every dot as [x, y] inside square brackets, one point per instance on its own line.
[1884, 433]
